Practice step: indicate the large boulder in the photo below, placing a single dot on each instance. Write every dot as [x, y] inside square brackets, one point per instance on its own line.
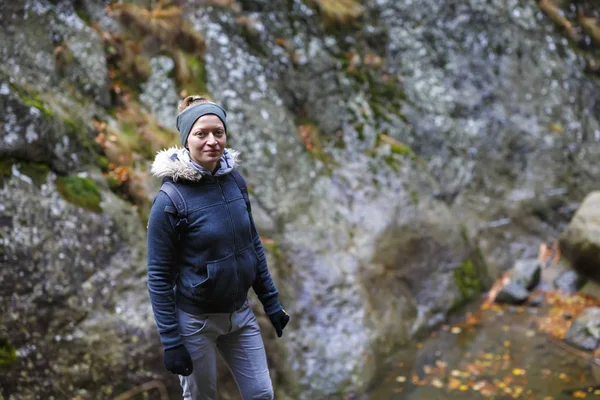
[580, 241]
[512, 293]
[585, 330]
[569, 281]
[526, 273]
[75, 308]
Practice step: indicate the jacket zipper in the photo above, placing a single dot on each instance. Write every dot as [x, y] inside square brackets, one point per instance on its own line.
[237, 274]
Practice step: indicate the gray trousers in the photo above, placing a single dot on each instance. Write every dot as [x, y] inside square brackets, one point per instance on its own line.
[236, 336]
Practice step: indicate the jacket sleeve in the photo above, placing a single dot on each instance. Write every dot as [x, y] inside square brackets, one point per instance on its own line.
[162, 269]
[263, 284]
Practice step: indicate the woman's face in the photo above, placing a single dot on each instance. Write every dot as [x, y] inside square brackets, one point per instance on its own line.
[207, 140]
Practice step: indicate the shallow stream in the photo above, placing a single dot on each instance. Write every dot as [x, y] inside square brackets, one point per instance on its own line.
[495, 353]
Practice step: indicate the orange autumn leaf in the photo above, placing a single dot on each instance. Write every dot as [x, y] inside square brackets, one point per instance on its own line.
[497, 286]
[454, 383]
[549, 252]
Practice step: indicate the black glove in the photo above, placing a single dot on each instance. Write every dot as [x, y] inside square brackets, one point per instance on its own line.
[279, 321]
[178, 361]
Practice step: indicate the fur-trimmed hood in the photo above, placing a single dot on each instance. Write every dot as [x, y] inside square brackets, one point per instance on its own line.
[175, 163]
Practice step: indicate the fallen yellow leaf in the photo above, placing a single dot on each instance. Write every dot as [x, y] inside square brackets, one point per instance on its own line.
[563, 376]
[437, 383]
[401, 379]
[518, 371]
[579, 395]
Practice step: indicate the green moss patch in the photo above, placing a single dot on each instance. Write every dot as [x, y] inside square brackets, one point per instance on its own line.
[32, 100]
[5, 170]
[36, 171]
[190, 73]
[82, 192]
[396, 147]
[8, 354]
[468, 282]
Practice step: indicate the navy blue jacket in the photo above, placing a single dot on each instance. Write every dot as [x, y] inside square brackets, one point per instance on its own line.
[211, 263]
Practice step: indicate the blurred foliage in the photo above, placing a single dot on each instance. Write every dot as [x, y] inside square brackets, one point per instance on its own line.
[128, 146]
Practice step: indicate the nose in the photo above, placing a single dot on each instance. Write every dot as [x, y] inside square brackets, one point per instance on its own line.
[212, 140]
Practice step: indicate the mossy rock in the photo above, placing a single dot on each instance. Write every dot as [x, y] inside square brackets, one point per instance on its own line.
[468, 282]
[8, 354]
[198, 73]
[36, 171]
[102, 162]
[401, 149]
[32, 100]
[82, 192]
[190, 73]
[5, 170]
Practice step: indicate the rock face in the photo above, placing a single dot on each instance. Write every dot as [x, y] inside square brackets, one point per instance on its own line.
[524, 276]
[580, 242]
[70, 282]
[585, 331]
[569, 281]
[512, 293]
[526, 273]
[395, 168]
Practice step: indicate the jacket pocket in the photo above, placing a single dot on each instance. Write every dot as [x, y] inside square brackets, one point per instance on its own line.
[197, 282]
[223, 280]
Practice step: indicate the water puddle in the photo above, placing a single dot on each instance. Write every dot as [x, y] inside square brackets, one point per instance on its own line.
[493, 353]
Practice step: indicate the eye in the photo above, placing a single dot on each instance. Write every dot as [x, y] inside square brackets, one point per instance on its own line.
[219, 133]
[199, 134]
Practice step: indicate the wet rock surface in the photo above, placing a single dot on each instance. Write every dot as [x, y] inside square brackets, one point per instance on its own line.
[569, 281]
[580, 242]
[585, 331]
[513, 293]
[526, 273]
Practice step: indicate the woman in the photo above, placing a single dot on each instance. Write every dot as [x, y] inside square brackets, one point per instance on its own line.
[204, 253]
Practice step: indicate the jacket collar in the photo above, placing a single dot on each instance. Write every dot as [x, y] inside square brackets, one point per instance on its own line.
[175, 163]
